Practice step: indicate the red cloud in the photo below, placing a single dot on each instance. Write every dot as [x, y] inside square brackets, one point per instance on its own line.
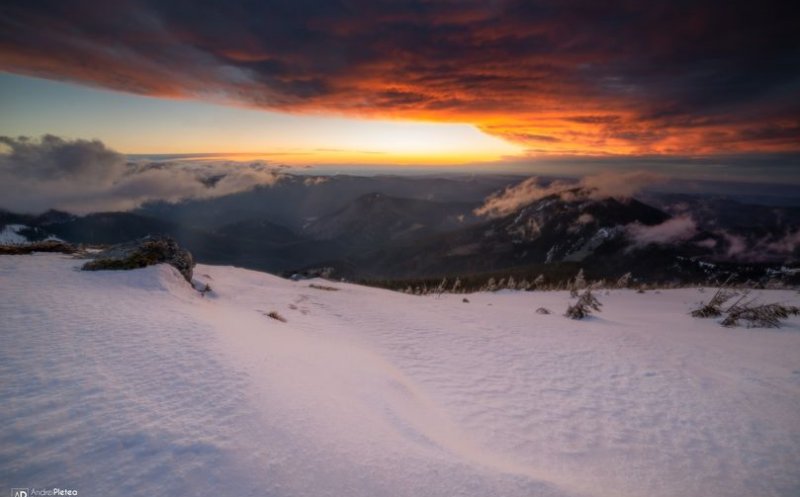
[559, 77]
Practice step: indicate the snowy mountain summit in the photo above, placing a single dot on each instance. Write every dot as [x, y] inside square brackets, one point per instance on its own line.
[134, 383]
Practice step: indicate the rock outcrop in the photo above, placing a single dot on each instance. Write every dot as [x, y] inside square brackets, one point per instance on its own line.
[141, 253]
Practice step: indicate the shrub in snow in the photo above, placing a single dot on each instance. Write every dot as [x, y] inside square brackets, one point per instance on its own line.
[596, 285]
[741, 313]
[465, 300]
[204, 289]
[586, 303]
[579, 283]
[441, 288]
[542, 310]
[580, 280]
[323, 287]
[759, 316]
[713, 308]
[624, 280]
[276, 316]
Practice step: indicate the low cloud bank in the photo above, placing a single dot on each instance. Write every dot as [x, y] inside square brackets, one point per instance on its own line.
[764, 249]
[722, 243]
[82, 176]
[605, 184]
[788, 244]
[677, 229]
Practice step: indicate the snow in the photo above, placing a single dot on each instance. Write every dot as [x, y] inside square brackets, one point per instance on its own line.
[10, 235]
[132, 383]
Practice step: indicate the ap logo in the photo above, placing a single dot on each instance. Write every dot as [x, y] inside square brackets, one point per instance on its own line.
[19, 492]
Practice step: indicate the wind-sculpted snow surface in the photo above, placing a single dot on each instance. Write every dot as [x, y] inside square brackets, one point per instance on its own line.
[132, 383]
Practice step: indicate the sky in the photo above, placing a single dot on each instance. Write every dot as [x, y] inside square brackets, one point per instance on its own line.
[695, 87]
[138, 124]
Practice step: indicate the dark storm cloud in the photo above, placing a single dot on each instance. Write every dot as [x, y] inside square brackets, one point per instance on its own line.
[617, 77]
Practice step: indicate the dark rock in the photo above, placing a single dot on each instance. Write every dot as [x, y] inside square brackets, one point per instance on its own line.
[144, 252]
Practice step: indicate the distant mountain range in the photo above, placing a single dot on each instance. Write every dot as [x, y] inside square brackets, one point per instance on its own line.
[433, 232]
[375, 220]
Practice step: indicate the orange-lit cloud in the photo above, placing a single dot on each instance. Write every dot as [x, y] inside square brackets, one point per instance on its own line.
[564, 78]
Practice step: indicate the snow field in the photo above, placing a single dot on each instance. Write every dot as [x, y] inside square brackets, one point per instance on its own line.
[132, 383]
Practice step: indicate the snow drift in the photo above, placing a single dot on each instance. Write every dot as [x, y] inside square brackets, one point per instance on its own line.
[132, 383]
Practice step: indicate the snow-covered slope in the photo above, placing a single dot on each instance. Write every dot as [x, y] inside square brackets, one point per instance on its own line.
[10, 234]
[131, 383]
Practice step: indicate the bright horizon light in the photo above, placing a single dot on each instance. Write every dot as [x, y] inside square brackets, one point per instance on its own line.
[133, 124]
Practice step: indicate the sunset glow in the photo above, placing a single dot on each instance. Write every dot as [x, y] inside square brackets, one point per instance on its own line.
[389, 83]
[153, 126]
